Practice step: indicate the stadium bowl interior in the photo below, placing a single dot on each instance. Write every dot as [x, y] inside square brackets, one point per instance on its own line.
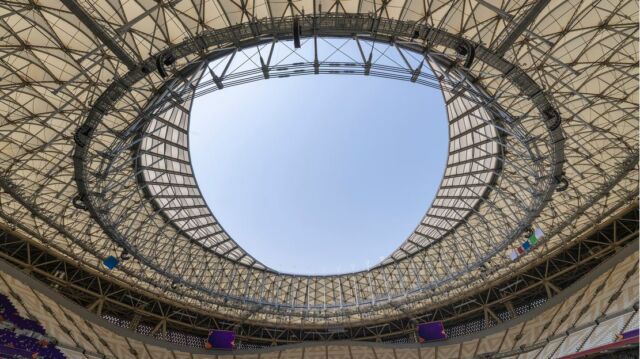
[108, 248]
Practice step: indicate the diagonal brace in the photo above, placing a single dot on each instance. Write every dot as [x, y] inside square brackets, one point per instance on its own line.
[99, 32]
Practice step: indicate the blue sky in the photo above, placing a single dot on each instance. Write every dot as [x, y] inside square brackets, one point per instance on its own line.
[319, 174]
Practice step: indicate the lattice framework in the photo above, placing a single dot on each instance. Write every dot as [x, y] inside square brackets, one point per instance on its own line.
[54, 63]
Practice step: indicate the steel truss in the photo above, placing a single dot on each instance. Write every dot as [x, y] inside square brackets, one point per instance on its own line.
[489, 306]
[104, 176]
[485, 159]
[54, 68]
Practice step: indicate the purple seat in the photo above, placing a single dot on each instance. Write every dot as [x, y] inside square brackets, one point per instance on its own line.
[11, 352]
[12, 344]
[24, 323]
[7, 306]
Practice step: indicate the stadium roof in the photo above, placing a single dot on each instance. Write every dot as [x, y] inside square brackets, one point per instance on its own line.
[542, 98]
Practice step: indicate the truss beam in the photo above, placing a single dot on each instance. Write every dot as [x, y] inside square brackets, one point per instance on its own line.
[515, 30]
[100, 33]
[109, 298]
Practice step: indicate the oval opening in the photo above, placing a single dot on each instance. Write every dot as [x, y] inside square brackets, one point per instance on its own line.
[319, 174]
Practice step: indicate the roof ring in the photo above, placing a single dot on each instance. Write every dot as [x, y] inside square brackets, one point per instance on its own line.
[91, 183]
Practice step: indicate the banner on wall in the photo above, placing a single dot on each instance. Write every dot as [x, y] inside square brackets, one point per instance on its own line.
[431, 331]
[221, 339]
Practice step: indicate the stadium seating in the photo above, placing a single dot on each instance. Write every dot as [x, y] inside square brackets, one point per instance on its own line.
[21, 337]
[590, 317]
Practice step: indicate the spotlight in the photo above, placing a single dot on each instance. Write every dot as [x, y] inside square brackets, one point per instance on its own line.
[78, 202]
[552, 118]
[465, 49]
[296, 33]
[125, 255]
[563, 183]
[81, 135]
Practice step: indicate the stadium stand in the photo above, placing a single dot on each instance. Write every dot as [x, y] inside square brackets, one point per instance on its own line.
[23, 338]
[589, 317]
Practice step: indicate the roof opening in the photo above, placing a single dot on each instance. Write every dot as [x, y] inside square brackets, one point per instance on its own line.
[319, 174]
